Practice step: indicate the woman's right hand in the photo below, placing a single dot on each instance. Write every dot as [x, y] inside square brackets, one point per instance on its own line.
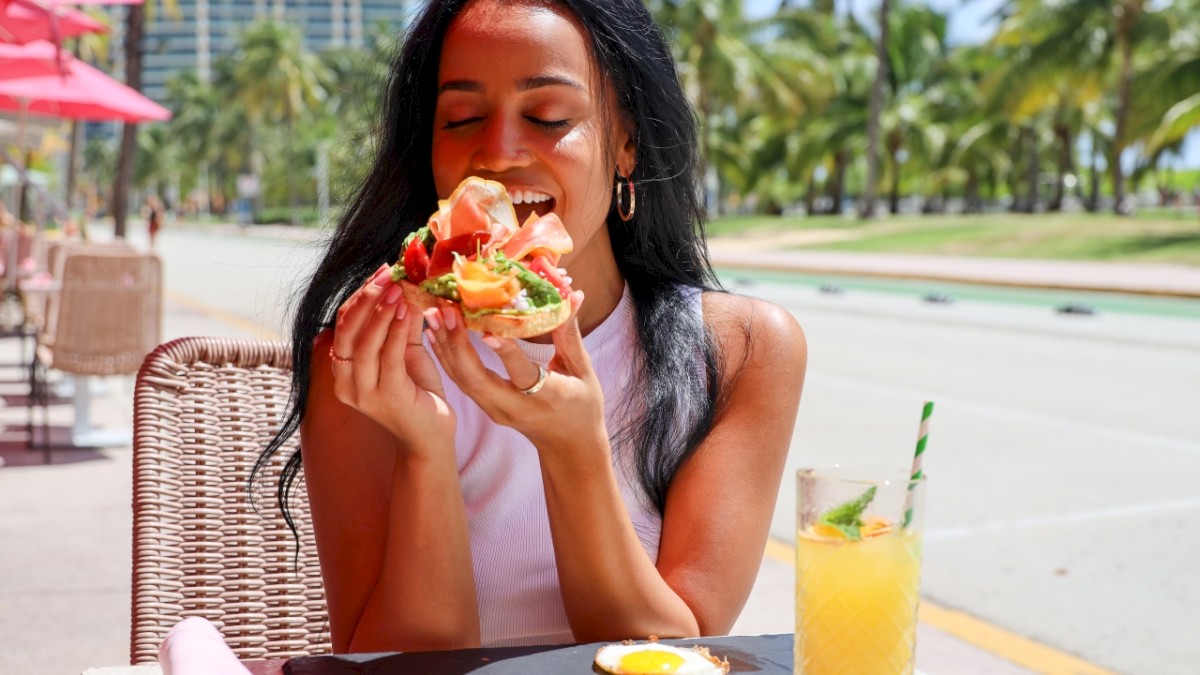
[382, 369]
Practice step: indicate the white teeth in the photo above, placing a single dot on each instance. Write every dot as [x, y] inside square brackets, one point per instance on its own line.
[528, 197]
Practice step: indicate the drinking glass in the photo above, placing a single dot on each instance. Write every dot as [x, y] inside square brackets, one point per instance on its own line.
[858, 563]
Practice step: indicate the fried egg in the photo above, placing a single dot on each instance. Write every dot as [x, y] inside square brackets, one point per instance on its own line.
[652, 658]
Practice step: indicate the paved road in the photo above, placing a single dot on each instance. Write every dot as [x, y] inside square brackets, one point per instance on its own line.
[1063, 459]
[1063, 455]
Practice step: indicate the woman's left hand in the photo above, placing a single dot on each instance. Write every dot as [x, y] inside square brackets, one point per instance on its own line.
[566, 411]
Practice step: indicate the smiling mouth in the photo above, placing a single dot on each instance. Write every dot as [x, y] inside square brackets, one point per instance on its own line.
[528, 203]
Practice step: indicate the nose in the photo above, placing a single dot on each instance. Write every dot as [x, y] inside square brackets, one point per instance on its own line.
[501, 146]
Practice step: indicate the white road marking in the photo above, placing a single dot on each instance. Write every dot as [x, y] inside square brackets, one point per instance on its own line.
[1024, 416]
[1061, 519]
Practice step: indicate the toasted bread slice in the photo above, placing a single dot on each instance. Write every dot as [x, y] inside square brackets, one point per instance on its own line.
[524, 325]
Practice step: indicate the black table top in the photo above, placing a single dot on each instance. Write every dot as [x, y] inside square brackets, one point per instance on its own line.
[764, 654]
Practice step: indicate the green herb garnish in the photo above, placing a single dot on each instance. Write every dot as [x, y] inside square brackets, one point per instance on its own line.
[848, 517]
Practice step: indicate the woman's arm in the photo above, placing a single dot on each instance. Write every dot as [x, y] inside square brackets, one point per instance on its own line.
[719, 505]
[382, 481]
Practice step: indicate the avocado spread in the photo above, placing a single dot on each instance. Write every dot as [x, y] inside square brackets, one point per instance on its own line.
[444, 286]
[539, 292]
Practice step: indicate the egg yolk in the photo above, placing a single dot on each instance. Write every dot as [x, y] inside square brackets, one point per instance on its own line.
[649, 661]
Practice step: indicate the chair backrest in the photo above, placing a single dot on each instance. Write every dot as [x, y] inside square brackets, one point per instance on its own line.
[43, 307]
[203, 544]
[108, 314]
[57, 251]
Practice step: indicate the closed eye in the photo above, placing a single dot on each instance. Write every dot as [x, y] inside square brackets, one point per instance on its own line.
[548, 124]
[454, 124]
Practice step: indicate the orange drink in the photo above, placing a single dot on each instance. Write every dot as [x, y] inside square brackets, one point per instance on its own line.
[858, 568]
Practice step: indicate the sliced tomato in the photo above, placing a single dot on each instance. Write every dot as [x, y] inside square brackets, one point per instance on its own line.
[466, 245]
[545, 269]
[416, 261]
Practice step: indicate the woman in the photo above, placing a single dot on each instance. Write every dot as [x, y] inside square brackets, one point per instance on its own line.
[632, 493]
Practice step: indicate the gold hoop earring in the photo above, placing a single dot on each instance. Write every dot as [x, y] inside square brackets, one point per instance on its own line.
[620, 183]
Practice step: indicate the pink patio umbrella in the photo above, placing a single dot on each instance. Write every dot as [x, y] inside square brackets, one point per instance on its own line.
[79, 92]
[72, 90]
[28, 60]
[24, 21]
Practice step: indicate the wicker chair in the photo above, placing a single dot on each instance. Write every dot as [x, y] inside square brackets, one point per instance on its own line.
[41, 294]
[203, 545]
[105, 319]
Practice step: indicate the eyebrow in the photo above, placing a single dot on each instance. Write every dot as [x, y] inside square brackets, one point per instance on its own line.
[524, 85]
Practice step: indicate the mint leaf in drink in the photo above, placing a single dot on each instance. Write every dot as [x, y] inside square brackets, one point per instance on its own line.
[847, 518]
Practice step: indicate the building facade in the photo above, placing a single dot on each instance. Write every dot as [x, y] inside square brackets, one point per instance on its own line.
[201, 30]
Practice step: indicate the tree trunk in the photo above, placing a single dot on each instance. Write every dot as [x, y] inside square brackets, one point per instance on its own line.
[135, 25]
[1014, 188]
[868, 206]
[971, 196]
[1123, 103]
[73, 165]
[1066, 166]
[293, 196]
[894, 194]
[1093, 200]
[810, 195]
[1031, 173]
[837, 182]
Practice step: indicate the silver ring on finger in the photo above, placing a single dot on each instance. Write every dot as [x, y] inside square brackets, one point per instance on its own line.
[536, 386]
[333, 356]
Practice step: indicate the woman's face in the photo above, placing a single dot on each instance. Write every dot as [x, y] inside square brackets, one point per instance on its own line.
[519, 102]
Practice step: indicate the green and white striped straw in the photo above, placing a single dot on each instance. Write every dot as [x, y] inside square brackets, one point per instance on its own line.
[918, 458]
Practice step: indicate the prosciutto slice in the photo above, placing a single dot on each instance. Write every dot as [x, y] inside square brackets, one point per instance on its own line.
[479, 218]
[540, 235]
[475, 205]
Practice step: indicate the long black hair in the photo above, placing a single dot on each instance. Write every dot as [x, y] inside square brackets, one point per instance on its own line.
[661, 252]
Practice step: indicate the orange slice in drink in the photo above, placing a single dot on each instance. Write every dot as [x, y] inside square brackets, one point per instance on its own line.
[875, 526]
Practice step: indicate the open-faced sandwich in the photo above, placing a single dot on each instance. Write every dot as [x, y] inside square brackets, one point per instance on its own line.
[473, 252]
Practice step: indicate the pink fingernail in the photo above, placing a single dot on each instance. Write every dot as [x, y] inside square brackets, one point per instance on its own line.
[401, 310]
[393, 295]
[492, 341]
[451, 321]
[431, 318]
[383, 276]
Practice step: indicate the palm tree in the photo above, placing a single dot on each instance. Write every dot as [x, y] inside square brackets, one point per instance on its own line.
[1103, 36]
[1175, 78]
[356, 80]
[91, 47]
[279, 82]
[99, 166]
[918, 66]
[204, 128]
[881, 73]
[724, 72]
[135, 31]
[135, 28]
[826, 140]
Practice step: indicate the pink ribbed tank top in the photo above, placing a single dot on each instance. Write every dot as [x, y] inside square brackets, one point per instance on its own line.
[516, 581]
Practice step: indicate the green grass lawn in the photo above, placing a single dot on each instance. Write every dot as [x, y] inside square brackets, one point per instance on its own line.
[1158, 237]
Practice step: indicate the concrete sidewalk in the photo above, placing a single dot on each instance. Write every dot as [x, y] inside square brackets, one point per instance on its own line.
[65, 526]
[1144, 279]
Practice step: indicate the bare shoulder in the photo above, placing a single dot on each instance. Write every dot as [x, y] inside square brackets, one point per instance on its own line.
[755, 333]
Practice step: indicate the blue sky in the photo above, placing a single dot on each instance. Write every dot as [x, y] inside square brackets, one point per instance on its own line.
[970, 21]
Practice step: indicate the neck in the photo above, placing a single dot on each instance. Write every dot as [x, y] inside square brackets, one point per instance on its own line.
[602, 285]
